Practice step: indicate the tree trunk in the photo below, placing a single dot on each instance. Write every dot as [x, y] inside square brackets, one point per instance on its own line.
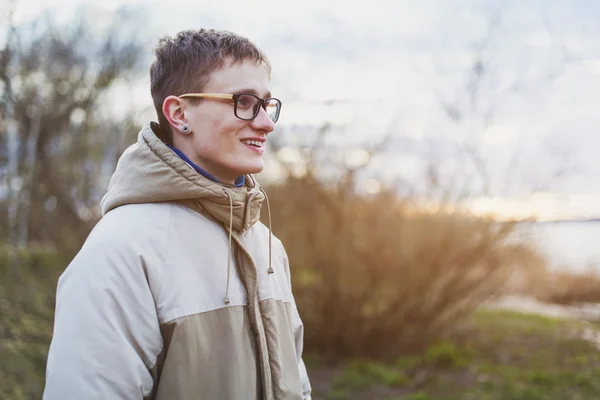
[12, 181]
[30, 169]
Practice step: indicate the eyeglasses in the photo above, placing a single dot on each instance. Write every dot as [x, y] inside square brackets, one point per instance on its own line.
[246, 105]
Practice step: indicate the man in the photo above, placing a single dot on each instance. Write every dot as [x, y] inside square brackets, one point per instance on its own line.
[179, 291]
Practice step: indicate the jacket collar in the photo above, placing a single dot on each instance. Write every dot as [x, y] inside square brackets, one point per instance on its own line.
[149, 172]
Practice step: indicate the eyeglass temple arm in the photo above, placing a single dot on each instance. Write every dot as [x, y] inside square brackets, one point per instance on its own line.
[210, 95]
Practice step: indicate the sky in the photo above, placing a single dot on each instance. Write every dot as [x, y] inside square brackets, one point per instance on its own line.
[528, 127]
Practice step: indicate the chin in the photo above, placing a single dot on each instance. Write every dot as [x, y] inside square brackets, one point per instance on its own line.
[251, 168]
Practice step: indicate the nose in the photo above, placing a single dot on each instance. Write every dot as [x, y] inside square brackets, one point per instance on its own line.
[262, 122]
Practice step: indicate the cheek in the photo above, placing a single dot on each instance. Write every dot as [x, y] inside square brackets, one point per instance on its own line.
[220, 135]
[227, 130]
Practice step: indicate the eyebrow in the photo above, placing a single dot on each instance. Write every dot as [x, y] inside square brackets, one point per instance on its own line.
[252, 91]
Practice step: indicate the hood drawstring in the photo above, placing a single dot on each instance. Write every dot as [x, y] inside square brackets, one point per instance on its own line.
[227, 301]
[270, 270]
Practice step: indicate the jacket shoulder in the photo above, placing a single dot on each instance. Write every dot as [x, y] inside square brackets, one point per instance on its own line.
[127, 237]
[140, 219]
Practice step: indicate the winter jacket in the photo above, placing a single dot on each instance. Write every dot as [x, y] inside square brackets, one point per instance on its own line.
[179, 292]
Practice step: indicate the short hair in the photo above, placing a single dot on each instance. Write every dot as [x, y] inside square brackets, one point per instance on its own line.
[184, 63]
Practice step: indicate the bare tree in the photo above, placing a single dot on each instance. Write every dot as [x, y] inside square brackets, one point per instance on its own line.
[61, 134]
[7, 124]
[472, 108]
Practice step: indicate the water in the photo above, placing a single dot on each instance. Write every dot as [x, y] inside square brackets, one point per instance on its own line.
[571, 246]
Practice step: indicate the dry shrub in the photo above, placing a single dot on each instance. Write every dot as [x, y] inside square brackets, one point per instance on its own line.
[563, 286]
[374, 279]
[567, 288]
[529, 279]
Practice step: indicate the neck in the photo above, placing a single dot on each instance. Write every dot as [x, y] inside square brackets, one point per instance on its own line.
[201, 168]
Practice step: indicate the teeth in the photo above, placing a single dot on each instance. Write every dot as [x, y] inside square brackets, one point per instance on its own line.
[253, 143]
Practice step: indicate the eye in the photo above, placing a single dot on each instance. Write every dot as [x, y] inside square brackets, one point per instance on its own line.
[245, 102]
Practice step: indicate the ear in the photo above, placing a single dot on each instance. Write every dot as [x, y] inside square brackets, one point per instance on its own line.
[174, 110]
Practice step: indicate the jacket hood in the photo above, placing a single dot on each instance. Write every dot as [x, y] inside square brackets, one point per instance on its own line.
[150, 172]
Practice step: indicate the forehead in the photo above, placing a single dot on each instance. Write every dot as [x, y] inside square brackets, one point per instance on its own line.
[233, 77]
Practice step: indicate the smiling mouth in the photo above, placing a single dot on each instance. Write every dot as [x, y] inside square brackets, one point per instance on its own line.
[254, 143]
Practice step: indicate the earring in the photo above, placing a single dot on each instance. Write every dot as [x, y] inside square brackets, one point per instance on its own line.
[185, 129]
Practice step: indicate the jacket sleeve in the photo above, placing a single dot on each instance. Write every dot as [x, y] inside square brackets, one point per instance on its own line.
[298, 337]
[106, 332]
[306, 388]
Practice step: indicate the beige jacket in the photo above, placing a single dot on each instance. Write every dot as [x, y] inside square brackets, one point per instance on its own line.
[165, 302]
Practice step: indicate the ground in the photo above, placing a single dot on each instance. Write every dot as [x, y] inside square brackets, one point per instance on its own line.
[497, 355]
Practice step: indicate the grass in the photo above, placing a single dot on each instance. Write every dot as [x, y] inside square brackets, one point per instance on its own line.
[498, 355]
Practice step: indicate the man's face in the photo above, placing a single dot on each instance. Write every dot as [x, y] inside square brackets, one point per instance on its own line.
[219, 141]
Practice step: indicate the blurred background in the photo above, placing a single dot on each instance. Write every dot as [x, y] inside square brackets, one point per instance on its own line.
[434, 177]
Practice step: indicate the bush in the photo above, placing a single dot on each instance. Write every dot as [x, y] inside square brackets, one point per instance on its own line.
[567, 288]
[563, 287]
[27, 292]
[374, 277]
